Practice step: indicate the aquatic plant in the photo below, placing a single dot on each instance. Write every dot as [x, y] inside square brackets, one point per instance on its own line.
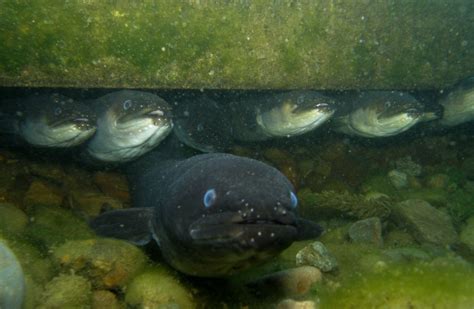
[330, 203]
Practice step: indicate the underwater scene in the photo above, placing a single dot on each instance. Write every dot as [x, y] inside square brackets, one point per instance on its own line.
[139, 198]
[244, 154]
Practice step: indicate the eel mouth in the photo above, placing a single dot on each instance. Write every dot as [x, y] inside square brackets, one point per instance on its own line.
[233, 228]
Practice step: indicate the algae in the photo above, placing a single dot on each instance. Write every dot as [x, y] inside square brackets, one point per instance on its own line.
[235, 44]
[417, 285]
[156, 288]
[331, 203]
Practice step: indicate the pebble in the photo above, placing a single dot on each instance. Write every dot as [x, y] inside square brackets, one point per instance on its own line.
[289, 283]
[316, 255]
[368, 231]
[293, 304]
[398, 179]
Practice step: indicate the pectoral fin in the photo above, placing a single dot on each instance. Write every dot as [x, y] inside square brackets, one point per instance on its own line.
[132, 224]
[308, 229]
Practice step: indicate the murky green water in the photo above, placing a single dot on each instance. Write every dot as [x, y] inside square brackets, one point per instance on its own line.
[397, 214]
[140, 191]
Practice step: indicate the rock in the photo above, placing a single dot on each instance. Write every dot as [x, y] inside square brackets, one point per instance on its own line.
[93, 204]
[397, 238]
[398, 179]
[54, 225]
[113, 184]
[108, 263]
[284, 162]
[47, 171]
[407, 166]
[407, 254]
[367, 231]
[318, 256]
[158, 288]
[105, 299]
[289, 283]
[35, 263]
[67, 291]
[438, 181]
[425, 223]
[467, 235]
[12, 219]
[436, 197]
[468, 167]
[12, 282]
[292, 304]
[42, 193]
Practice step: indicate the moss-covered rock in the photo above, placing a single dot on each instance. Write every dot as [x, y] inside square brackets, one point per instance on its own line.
[12, 219]
[157, 287]
[106, 299]
[66, 291]
[108, 263]
[54, 225]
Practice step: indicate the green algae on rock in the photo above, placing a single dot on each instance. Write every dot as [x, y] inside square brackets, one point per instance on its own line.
[12, 218]
[418, 285]
[54, 225]
[236, 44]
[157, 287]
[66, 291]
[108, 263]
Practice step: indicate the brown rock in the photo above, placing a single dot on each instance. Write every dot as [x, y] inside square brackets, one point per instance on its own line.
[113, 184]
[42, 193]
[93, 204]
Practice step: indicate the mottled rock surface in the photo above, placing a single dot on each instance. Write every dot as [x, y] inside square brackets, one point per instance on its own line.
[67, 291]
[108, 263]
[367, 231]
[158, 288]
[426, 223]
[316, 255]
[290, 282]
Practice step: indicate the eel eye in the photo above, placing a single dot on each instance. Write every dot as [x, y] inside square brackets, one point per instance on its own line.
[58, 111]
[209, 198]
[127, 104]
[294, 200]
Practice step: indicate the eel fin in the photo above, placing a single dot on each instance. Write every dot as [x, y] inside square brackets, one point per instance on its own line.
[133, 225]
[308, 229]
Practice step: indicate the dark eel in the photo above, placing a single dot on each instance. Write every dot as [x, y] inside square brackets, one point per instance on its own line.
[212, 215]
